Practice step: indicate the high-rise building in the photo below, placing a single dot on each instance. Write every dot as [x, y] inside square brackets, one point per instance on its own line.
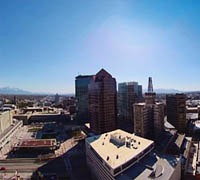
[103, 103]
[128, 94]
[149, 116]
[15, 100]
[158, 116]
[142, 121]
[176, 111]
[81, 88]
[140, 91]
[150, 95]
[57, 99]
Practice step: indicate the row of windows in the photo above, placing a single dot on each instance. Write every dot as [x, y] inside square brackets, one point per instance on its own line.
[101, 172]
[11, 133]
[127, 164]
[96, 154]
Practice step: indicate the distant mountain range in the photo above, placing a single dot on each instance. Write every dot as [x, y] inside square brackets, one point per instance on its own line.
[17, 91]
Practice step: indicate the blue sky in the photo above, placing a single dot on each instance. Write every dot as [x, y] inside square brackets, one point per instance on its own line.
[44, 44]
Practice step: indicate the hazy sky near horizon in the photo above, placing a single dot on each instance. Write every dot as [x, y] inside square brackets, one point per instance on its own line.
[44, 44]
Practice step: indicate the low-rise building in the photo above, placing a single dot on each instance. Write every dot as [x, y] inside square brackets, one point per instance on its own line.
[34, 148]
[120, 155]
[7, 135]
[43, 117]
[5, 120]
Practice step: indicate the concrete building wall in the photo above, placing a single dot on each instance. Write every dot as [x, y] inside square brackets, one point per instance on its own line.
[96, 165]
[5, 120]
[177, 172]
[141, 120]
[148, 119]
[158, 118]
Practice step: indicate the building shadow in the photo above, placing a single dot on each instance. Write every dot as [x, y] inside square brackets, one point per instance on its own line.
[71, 165]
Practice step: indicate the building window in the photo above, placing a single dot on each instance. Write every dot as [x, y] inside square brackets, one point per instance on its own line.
[97, 155]
[117, 170]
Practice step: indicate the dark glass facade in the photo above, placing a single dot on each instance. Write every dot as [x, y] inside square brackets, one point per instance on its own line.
[81, 88]
[176, 111]
[128, 94]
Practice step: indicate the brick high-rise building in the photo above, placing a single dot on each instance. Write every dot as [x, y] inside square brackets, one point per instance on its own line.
[103, 103]
[158, 116]
[149, 116]
[142, 122]
[176, 111]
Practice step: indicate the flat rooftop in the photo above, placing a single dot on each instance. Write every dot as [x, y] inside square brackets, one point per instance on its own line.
[32, 108]
[192, 116]
[45, 114]
[140, 104]
[197, 125]
[2, 112]
[117, 147]
[37, 143]
[152, 166]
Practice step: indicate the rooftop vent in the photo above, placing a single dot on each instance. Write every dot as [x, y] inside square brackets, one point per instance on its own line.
[117, 139]
[107, 158]
[103, 143]
[128, 144]
[139, 143]
[117, 157]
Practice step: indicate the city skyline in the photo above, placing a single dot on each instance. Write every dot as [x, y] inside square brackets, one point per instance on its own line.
[46, 44]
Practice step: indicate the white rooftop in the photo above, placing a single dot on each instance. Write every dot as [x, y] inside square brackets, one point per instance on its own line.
[140, 104]
[117, 147]
[197, 125]
[153, 167]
